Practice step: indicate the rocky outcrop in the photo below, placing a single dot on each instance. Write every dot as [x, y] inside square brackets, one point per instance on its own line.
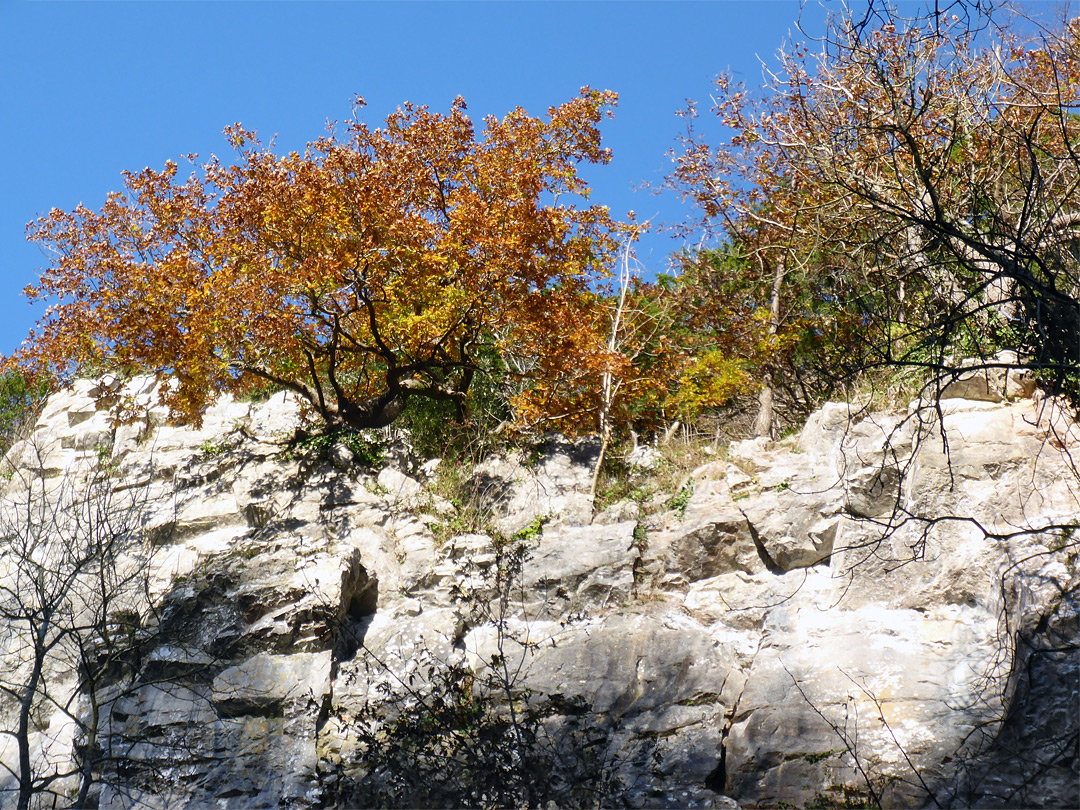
[884, 606]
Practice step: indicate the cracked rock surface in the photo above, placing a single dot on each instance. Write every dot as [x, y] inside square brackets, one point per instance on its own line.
[884, 606]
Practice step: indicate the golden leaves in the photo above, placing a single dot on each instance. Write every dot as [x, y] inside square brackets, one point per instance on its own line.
[372, 257]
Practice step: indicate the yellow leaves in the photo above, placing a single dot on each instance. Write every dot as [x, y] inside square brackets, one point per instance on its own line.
[606, 362]
[708, 381]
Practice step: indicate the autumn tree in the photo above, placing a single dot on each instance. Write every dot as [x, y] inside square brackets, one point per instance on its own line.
[373, 268]
[765, 290]
[924, 171]
[752, 340]
[649, 354]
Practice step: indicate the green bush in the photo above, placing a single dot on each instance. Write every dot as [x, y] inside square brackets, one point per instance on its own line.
[21, 401]
[367, 448]
[469, 431]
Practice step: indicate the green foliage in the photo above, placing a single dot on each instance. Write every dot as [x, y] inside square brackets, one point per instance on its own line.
[465, 494]
[21, 400]
[1063, 538]
[367, 447]
[465, 434]
[532, 531]
[212, 449]
[821, 755]
[842, 797]
[458, 523]
[641, 537]
[368, 451]
[104, 453]
[681, 500]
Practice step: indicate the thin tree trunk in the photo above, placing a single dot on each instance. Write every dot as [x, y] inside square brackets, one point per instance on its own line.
[605, 438]
[86, 772]
[670, 432]
[763, 424]
[26, 772]
[609, 386]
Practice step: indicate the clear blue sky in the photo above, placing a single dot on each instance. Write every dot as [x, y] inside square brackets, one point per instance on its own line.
[90, 89]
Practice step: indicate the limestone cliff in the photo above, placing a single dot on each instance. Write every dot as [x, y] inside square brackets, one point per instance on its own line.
[882, 608]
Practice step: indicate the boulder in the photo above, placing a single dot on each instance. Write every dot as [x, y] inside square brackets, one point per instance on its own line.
[595, 562]
[268, 685]
[994, 379]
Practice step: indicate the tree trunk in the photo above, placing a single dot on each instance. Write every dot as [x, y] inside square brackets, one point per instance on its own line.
[26, 770]
[596, 469]
[86, 772]
[376, 412]
[763, 424]
[609, 386]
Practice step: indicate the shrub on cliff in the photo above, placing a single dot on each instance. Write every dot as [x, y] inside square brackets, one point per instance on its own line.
[915, 175]
[21, 400]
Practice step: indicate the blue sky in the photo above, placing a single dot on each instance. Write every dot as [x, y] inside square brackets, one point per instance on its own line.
[90, 89]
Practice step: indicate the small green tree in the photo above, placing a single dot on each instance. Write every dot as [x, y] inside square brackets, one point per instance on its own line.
[21, 400]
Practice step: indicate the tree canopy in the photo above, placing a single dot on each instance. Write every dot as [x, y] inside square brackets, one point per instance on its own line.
[376, 266]
[922, 178]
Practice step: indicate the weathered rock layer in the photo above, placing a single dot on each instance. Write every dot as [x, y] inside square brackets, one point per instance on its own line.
[883, 606]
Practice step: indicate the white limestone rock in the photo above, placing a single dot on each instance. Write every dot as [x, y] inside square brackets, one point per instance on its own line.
[294, 597]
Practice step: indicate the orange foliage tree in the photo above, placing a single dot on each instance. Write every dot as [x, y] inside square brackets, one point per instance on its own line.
[374, 267]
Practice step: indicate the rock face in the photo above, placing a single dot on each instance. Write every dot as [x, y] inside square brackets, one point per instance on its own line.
[883, 608]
